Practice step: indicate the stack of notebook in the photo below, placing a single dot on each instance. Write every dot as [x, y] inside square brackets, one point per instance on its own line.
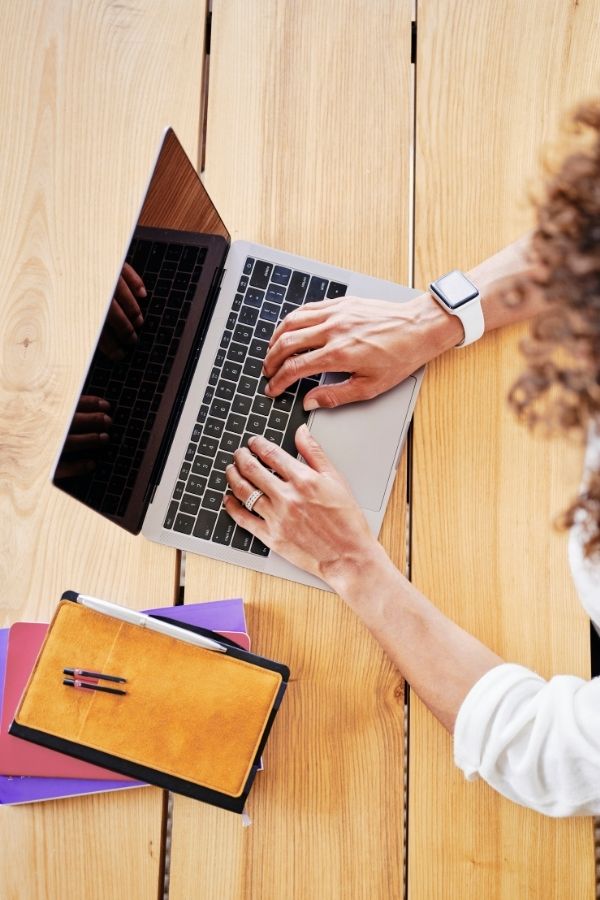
[32, 773]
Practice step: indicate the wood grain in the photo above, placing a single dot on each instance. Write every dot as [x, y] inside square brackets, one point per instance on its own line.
[307, 150]
[86, 92]
[483, 545]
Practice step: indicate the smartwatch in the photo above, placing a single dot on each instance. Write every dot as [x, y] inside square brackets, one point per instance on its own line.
[459, 297]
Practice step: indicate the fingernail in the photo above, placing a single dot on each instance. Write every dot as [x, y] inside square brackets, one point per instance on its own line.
[104, 437]
[311, 404]
[103, 404]
[142, 293]
[107, 420]
[251, 440]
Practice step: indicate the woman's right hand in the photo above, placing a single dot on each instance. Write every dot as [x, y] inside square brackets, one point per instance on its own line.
[377, 342]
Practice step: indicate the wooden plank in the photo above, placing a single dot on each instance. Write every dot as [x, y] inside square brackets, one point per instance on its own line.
[483, 545]
[308, 136]
[87, 90]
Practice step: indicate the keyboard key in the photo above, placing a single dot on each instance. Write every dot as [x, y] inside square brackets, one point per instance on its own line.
[220, 358]
[297, 287]
[202, 466]
[231, 371]
[190, 504]
[248, 266]
[225, 339]
[220, 409]
[237, 302]
[205, 524]
[223, 459]
[225, 390]
[208, 395]
[284, 402]
[316, 289]
[275, 294]
[278, 420]
[275, 436]
[197, 432]
[236, 423]
[253, 367]
[281, 275]
[241, 405]
[254, 297]
[231, 320]
[297, 418]
[208, 446]
[259, 548]
[269, 311]
[242, 334]
[256, 424]
[258, 349]
[248, 385]
[216, 482]
[212, 500]
[286, 309]
[242, 539]
[264, 330]
[237, 353]
[243, 284]
[223, 529]
[214, 376]
[214, 427]
[248, 315]
[189, 453]
[184, 524]
[261, 274]
[196, 485]
[202, 414]
[337, 290]
[229, 443]
[185, 470]
[155, 258]
[262, 405]
[178, 492]
[188, 258]
[246, 438]
[171, 514]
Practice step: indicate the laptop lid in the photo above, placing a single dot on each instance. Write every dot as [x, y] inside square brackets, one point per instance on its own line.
[149, 341]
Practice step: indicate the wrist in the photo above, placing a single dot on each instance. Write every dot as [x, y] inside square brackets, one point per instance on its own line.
[443, 331]
[356, 576]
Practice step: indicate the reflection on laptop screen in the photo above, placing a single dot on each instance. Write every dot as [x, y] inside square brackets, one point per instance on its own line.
[134, 388]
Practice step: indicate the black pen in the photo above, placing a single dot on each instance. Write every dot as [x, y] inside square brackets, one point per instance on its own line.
[69, 682]
[85, 674]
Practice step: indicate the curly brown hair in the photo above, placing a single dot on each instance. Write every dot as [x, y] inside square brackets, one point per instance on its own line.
[560, 387]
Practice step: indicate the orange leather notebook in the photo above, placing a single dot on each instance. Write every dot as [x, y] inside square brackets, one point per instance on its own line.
[193, 720]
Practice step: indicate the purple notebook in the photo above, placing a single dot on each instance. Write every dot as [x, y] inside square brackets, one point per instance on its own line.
[219, 615]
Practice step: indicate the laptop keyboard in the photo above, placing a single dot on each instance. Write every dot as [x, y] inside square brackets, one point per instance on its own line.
[134, 387]
[235, 408]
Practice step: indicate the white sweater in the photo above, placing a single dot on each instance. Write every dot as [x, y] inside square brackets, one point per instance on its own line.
[536, 741]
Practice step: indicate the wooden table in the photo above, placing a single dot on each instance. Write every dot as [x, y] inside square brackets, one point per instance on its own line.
[314, 118]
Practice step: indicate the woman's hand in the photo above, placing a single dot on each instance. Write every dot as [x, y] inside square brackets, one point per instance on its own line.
[377, 342]
[306, 514]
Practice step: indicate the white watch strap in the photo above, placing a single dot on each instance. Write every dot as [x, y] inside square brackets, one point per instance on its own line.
[471, 316]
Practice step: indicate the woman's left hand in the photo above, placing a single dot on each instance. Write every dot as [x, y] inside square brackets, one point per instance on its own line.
[306, 512]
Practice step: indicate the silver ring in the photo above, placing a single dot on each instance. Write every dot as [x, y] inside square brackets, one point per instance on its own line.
[253, 499]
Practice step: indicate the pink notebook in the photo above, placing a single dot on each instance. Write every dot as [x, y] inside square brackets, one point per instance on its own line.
[18, 757]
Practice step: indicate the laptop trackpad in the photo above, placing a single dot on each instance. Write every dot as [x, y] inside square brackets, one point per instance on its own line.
[362, 439]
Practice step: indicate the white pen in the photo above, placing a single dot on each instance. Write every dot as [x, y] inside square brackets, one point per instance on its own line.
[138, 618]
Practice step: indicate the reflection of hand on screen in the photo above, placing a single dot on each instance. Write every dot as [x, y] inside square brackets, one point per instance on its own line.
[88, 434]
[124, 315]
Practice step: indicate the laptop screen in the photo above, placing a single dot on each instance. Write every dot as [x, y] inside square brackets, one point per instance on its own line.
[150, 339]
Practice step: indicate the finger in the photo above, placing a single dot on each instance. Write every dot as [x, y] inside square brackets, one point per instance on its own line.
[89, 403]
[134, 281]
[311, 314]
[79, 442]
[303, 365]
[290, 343]
[242, 488]
[119, 323]
[255, 473]
[90, 422]
[74, 469]
[281, 462]
[240, 515]
[329, 396]
[312, 452]
[128, 303]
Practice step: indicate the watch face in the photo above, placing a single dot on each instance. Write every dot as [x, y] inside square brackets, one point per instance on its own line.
[454, 289]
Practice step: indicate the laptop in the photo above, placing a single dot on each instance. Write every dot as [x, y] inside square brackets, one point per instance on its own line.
[174, 385]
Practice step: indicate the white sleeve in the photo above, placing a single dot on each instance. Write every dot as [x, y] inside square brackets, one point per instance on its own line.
[535, 741]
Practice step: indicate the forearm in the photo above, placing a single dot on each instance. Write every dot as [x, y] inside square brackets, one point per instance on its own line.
[440, 661]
